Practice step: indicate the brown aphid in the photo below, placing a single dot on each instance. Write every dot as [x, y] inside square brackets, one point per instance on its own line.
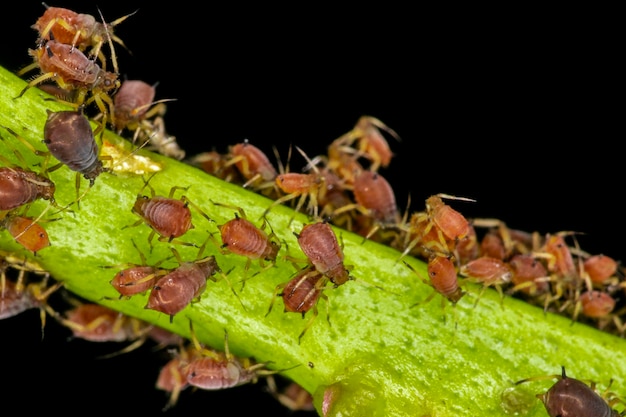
[215, 163]
[136, 279]
[79, 30]
[302, 186]
[19, 187]
[70, 139]
[371, 143]
[301, 294]
[376, 199]
[241, 237]
[442, 277]
[214, 370]
[570, 397]
[529, 275]
[600, 268]
[168, 217]
[185, 284]
[71, 70]
[32, 236]
[438, 229]
[172, 378]
[176, 290]
[489, 272]
[253, 164]
[319, 243]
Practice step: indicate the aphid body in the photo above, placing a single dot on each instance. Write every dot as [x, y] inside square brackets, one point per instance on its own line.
[19, 187]
[70, 139]
[319, 243]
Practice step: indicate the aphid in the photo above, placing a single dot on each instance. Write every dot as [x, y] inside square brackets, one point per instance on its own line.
[375, 199]
[136, 279]
[98, 323]
[184, 284]
[171, 376]
[215, 163]
[19, 187]
[570, 397]
[253, 165]
[70, 139]
[136, 111]
[215, 370]
[488, 271]
[240, 236]
[529, 275]
[319, 243]
[438, 229]
[26, 232]
[371, 143]
[73, 71]
[168, 217]
[442, 277]
[600, 268]
[303, 186]
[15, 298]
[79, 30]
[301, 294]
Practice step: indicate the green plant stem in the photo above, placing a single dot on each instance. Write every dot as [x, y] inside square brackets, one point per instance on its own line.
[378, 356]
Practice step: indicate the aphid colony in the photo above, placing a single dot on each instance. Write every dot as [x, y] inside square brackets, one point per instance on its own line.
[342, 188]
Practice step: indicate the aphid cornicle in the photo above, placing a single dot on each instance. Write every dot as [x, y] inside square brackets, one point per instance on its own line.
[570, 397]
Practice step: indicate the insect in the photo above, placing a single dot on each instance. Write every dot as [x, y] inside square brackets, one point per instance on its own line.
[572, 397]
[16, 298]
[437, 229]
[529, 275]
[79, 30]
[442, 277]
[97, 323]
[71, 70]
[70, 139]
[138, 112]
[319, 243]
[184, 284]
[301, 294]
[293, 396]
[136, 279]
[20, 186]
[488, 271]
[371, 143]
[253, 164]
[240, 236]
[168, 217]
[600, 268]
[26, 232]
[303, 186]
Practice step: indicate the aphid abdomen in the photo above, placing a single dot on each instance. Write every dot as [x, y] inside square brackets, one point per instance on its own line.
[244, 238]
[210, 374]
[169, 217]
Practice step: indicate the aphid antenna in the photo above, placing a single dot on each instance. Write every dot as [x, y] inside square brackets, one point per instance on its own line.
[454, 197]
[379, 124]
[110, 41]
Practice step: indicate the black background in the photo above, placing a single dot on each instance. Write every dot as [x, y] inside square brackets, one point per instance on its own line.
[518, 114]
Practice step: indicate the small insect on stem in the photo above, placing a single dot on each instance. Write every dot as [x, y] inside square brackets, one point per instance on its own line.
[136, 279]
[572, 397]
[70, 139]
[185, 284]
[168, 217]
[240, 236]
[301, 294]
